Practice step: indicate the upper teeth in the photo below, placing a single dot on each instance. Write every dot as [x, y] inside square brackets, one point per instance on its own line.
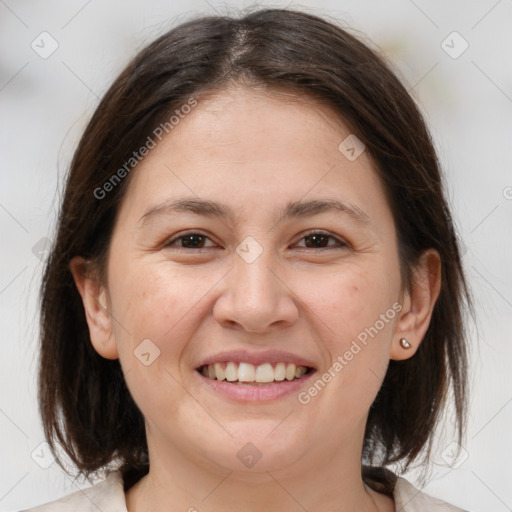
[246, 372]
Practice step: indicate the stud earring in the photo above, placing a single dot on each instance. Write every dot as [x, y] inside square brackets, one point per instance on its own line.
[404, 343]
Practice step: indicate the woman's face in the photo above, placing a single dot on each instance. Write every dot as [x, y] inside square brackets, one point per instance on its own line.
[271, 277]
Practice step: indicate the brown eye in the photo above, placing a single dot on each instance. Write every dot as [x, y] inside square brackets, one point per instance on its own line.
[314, 240]
[320, 240]
[188, 241]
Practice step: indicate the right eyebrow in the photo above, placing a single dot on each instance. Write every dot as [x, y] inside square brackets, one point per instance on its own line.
[293, 209]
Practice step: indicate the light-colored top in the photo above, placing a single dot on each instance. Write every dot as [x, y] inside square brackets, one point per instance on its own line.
[108, 496]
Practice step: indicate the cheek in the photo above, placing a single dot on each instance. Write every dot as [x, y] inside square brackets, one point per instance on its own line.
[354, 320]
[153, 301]
[154, 310]
[349, 301]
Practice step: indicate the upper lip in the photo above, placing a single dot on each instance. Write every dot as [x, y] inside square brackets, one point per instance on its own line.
[256, 358]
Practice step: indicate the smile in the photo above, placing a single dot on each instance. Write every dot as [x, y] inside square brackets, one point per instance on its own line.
[247, 382]
[264, 374]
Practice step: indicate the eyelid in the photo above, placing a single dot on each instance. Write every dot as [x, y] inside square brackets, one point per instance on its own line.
[176, 237]
[341, 242]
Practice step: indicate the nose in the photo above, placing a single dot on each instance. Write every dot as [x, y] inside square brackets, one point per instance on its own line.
[256, 296]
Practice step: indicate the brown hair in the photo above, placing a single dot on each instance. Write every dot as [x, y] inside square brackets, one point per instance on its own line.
[84, 402]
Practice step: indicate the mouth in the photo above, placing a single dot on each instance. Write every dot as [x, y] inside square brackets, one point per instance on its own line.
[245, 376]
[265, 374]
[246, 382]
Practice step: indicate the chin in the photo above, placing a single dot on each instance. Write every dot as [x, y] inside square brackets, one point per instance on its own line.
[253, 452]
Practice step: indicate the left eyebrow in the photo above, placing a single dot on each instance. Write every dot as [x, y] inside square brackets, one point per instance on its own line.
[292, 209]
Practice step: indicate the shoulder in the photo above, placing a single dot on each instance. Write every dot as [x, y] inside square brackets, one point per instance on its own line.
[410, 499]
[107, 496]
[406, 496]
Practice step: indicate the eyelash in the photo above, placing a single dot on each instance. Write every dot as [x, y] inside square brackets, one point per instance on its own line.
[341, 243]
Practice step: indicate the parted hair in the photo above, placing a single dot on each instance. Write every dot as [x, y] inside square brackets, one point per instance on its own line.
[84, 402]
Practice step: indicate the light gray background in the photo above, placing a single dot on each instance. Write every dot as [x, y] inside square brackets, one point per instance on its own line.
[45, 104]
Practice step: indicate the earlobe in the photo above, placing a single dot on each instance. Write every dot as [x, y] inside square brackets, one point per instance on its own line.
[94, 300]
[418, 304]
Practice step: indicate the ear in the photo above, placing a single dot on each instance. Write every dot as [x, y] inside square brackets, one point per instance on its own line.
[95, 301]
[418, 303]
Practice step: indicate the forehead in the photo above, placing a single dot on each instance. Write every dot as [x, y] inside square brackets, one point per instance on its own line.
[255, 147]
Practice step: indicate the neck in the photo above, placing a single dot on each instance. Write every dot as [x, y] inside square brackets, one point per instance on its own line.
[175, 482]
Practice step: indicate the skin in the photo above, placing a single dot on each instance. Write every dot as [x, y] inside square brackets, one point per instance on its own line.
[255, 151]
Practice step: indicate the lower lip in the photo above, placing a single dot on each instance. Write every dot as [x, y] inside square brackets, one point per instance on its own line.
[255, 393]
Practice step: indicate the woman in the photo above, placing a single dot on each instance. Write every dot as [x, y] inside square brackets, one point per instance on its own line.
[255, 297]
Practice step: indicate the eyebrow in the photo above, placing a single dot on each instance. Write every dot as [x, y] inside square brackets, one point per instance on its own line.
[293, 209]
